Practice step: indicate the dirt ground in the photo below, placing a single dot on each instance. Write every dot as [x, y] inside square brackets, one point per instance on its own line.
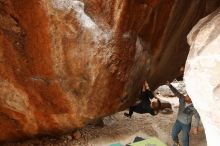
[118, 128]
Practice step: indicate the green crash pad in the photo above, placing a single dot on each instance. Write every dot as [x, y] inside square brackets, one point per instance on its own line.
[152, 141]
[116, 144]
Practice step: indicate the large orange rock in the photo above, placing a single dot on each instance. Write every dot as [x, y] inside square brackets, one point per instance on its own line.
[64, 63]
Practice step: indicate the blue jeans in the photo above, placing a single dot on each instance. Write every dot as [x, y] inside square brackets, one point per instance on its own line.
[177, 127]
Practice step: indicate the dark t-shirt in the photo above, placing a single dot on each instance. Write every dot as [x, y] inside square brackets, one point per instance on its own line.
[146, 96]
[145, 102]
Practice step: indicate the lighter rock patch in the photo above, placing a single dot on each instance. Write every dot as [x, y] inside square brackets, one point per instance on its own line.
[83, 18]
[139, 48]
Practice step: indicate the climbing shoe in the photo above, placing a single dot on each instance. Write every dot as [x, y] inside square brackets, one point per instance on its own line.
[127, 115]
[176, 144]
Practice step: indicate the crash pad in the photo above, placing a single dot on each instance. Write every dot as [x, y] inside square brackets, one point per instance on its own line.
[151, 141]
[115, 144]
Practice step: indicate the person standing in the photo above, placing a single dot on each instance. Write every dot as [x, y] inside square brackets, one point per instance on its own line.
[184, 117]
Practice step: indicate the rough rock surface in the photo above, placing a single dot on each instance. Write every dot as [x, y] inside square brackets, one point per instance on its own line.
[164, 90]
[202, 73]
[64, 63]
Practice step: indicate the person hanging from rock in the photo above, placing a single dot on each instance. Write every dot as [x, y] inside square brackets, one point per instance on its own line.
[148, 103]
[184, 118]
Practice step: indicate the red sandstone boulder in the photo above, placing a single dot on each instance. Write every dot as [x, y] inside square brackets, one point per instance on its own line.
[64, 63]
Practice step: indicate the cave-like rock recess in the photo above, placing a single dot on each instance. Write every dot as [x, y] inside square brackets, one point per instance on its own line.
[64, 63]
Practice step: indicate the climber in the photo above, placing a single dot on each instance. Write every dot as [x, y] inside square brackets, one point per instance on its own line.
[148, 103]
[184, 118]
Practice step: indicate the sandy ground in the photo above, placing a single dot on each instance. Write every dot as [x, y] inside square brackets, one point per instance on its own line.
[118, 128]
